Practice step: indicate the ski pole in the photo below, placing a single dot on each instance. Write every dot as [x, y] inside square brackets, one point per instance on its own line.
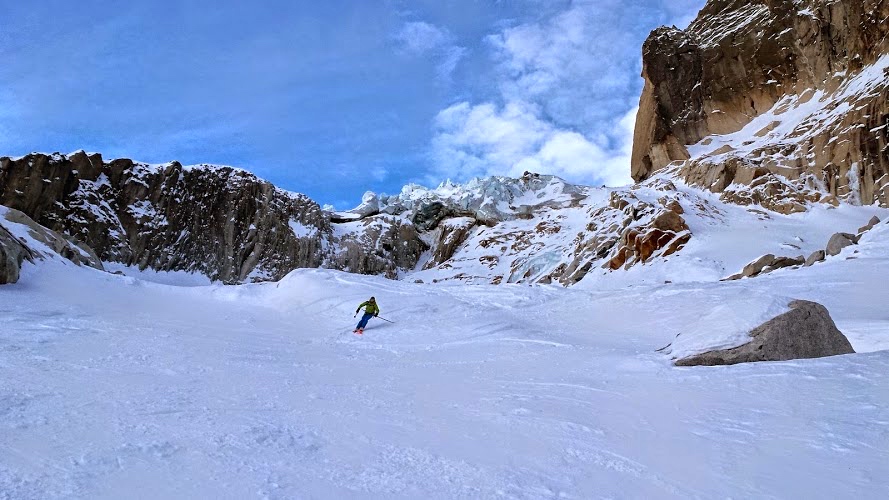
[384, 319]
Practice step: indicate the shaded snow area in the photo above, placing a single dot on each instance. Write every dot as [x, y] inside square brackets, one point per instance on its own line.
[176, 278]
[117, 387]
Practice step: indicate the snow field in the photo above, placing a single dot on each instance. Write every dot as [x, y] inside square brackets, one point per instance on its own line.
[113, 386]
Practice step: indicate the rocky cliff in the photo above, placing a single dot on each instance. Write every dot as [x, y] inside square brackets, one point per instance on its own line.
[776, 102]
[219, 221]
[234, 227]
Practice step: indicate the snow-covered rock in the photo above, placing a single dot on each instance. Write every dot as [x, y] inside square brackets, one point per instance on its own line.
[815, 257]
[384, 244]
[765, 264]
[22, 239]
[870, 225]
[805, 331]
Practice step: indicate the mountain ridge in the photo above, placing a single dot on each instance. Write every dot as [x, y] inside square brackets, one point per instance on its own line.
[777, 106]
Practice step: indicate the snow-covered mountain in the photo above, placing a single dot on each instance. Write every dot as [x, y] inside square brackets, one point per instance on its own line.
[778, 106]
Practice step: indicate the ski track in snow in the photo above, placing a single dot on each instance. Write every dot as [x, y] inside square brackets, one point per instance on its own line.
[116, 387]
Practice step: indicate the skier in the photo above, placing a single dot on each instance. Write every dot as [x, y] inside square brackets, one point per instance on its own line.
[371, 310]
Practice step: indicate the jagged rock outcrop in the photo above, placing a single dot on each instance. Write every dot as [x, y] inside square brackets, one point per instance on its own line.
[235, 227]
[22, 239]
[544, 230]
[219, 221]
[447, 237]
[806, 331]
[653, 229]
[377, 245]
[788, 99]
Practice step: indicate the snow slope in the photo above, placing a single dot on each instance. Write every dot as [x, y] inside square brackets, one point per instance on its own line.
[116, 387]
[724, 237]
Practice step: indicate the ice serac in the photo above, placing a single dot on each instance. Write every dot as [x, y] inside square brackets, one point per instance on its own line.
[806, 331]
[775, 102]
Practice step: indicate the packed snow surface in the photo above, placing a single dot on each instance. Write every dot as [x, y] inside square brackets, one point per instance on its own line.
[118, 387]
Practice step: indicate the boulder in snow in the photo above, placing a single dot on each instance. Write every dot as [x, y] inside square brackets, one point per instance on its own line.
[806, 331]
[870, 225]
[817, 256]
[766, 264]
[839, 241]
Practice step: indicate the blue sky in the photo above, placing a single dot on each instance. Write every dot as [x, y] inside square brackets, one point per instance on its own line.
[333, 98]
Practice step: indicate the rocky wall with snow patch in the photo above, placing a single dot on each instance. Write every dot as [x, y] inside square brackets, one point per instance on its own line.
[770, 101]
[219, 221]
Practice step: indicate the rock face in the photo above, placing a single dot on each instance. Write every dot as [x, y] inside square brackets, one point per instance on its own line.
[23, 239]
[234, 227]
[219, 221]
[377, 245]
[653, 231]
[12, 254]
[806, 331]
[787, 98]
[539, 229]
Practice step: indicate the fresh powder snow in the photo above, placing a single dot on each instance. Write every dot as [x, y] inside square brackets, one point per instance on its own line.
[130, 386]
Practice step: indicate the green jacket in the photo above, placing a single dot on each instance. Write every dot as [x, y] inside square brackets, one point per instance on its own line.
[372, 308]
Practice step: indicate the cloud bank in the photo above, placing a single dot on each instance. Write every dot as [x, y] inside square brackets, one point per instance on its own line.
[566, 94]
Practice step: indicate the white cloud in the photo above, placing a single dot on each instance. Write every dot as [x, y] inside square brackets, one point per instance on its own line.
[451, 57]
[567, 89]
[379, 173]
[421, 39]
[579, 65]
[486, 140]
